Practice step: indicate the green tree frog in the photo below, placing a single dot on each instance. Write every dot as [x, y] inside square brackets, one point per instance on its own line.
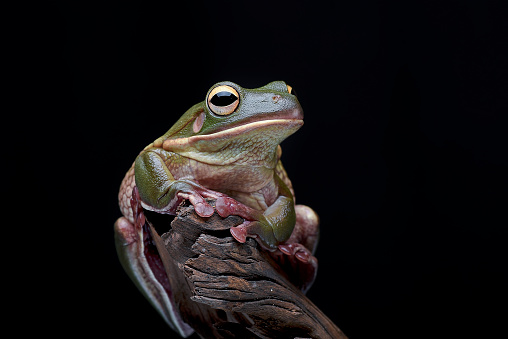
[225, 148]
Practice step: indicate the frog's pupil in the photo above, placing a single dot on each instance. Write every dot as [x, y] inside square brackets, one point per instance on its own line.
[223, 98]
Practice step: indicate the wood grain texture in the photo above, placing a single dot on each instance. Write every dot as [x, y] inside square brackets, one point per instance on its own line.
[225, 289]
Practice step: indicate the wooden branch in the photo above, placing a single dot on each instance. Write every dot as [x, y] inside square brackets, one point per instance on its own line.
[225, 289]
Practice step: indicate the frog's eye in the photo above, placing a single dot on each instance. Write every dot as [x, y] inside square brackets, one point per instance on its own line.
[223, 100]
[291, 90]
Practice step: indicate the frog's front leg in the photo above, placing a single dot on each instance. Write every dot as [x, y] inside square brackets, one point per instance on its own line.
[290, 233]
[304, 239]
[292, 229]
[161, 192]
[296, 255]
[270, 227]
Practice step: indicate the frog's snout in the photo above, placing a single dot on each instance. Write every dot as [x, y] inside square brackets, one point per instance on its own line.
[296, 112]
[289, 107]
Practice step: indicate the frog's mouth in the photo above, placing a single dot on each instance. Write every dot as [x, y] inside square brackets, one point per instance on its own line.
[290, 114]
[275, 129]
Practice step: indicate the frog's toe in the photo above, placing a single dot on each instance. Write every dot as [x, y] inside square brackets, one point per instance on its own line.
[289, 249]
[225, 206]
[303, 255]
[299, 251]
[299, 263]
[202, 208]
[240, 232]
[254, 229]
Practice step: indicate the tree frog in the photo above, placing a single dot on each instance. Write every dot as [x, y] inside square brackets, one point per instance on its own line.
[225, 148]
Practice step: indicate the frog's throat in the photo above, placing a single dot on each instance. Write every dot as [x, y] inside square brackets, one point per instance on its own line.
[262, 136]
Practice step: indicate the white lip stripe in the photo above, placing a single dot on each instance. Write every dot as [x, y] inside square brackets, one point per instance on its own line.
[235, 130]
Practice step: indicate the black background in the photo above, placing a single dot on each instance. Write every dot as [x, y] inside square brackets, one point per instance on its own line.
[403, 151]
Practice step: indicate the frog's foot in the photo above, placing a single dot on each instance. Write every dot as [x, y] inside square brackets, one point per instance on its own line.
[240, 232]
[299, 251]
[299, 263]
[254, 226]
[197, 198]
[227, 206]
[257, 230]
[202, 208]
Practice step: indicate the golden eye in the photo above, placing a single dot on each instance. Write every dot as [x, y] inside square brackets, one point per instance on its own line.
[223, 100]
[291, 90]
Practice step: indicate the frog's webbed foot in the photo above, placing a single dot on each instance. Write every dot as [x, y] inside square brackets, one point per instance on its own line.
[227, 206]
[293, 252]
[294, 258]
[298, 251]
[189, 190]
[298, 263]
[255, 224]
[197, 198]
[257, 230]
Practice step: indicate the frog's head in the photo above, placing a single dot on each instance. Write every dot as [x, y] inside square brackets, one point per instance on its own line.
[236, 120]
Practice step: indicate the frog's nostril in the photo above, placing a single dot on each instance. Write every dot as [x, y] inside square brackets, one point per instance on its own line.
[276, 98]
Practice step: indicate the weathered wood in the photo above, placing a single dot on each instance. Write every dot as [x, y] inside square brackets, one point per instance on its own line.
[225, 289]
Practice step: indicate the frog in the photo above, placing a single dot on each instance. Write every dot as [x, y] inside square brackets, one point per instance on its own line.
[224, 149]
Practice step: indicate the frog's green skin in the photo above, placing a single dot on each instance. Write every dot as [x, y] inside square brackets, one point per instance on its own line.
[230, 153]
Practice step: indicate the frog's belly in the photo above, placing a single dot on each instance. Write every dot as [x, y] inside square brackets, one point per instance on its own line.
[254, 186]
[238, 178]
